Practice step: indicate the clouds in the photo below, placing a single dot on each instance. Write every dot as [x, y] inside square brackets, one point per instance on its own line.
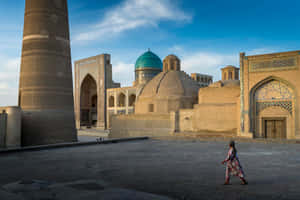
[132, 14]
[208, 63]
[191, 62]
[123, 73]
[9, 78]
[203, 61]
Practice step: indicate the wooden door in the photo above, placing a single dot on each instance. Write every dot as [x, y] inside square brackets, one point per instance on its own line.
[275, 128]
[280, 129]
[270, 129]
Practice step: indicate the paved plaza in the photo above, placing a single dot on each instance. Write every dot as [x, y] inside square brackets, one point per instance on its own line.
[176, 169]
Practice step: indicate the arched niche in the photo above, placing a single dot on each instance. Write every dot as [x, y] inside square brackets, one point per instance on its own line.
[88, 101]
[272, 106]
[121, 100]
[111, 101]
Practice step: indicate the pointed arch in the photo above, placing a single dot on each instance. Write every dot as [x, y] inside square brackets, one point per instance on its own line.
[88, 101]
[259, 102]
[271, 78]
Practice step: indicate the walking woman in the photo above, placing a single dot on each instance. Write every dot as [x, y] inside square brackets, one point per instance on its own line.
[233, 166]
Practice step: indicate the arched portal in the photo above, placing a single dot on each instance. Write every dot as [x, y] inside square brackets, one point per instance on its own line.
[272, 109]
[132, 100]
[121, 102]
[88, 102]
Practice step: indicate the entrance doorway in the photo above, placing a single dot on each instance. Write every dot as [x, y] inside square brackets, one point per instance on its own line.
[274, 127]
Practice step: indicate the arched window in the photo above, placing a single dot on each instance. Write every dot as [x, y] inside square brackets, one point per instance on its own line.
[111, 101]
[132, 100]
[121, 102]
[230, 76]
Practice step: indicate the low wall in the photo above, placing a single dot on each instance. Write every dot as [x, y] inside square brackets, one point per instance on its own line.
[12, 135]
[139, 125]
[215, 118]
[209, 118]
[186, 120]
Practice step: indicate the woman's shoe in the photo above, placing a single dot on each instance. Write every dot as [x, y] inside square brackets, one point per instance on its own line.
[226, 183]
[244, 182]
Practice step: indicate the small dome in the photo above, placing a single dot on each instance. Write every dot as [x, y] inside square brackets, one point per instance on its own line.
[172, 56]
[148, 60]
[228, 67]
[171, 62]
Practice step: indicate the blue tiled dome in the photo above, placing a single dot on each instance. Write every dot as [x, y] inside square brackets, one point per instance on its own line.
[148, 60]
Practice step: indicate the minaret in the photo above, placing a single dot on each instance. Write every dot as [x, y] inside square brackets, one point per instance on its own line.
[46, 90]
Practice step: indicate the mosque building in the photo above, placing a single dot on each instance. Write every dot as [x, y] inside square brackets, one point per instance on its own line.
[98, 98]
[257, 100]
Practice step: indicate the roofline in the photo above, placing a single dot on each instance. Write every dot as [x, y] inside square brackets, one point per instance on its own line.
[99, 55]
[274, 53]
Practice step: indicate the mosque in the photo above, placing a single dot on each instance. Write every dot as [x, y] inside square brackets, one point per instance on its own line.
[257, 100]
[98, 98]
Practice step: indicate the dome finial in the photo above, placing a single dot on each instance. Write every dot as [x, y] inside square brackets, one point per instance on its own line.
[148, 49]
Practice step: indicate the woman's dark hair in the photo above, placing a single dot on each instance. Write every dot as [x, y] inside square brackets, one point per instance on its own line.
[232, 144]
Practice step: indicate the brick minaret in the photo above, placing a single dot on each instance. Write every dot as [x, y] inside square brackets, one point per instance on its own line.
[46, 91]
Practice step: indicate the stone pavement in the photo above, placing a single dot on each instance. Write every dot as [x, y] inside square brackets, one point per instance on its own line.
[76, 190]
[178, 169]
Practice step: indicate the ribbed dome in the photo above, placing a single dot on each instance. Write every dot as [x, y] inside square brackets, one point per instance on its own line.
[148, 60]
[171, 84]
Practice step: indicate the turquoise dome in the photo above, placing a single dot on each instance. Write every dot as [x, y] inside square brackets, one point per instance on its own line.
[148, 60]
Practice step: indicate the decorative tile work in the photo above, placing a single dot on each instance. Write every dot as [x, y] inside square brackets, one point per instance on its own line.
[283, 104]
[274, 90]
[274, 64]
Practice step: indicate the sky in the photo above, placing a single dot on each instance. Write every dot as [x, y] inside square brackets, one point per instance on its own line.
[205, 35]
